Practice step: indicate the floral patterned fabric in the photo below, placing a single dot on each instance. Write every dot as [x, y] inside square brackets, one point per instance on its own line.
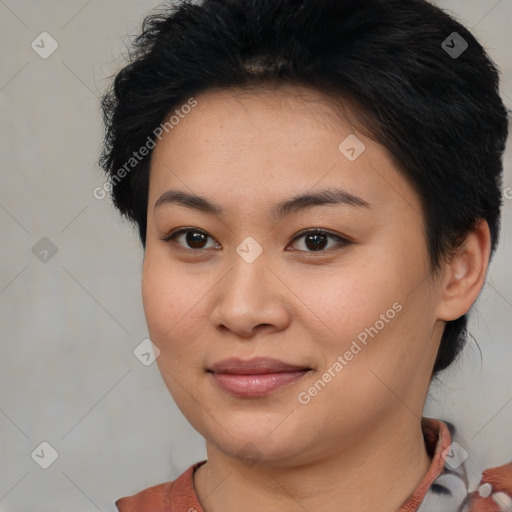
[455, 488]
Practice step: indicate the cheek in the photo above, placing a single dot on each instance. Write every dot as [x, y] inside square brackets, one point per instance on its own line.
[171, 305]
[158, 298]
[367, 314]
[349, 304]
[168, 298]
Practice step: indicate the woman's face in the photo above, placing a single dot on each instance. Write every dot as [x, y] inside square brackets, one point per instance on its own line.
[360, 312]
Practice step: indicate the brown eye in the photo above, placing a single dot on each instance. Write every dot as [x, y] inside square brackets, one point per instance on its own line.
[317, 241]
[190, 238]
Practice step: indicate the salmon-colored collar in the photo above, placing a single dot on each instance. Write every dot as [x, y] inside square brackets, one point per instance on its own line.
[437, 442]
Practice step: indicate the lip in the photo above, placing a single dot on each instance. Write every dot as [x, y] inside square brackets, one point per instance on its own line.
[255, 366]
[255, 377]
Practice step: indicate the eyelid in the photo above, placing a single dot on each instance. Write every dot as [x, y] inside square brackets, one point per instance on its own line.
[170, 238]
[322, 231]
[342, 240]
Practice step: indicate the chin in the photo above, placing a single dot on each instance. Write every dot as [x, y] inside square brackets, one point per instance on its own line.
[257, 448]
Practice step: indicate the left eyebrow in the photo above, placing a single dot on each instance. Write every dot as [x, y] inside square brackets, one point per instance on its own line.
[294, 204]
[318, 198]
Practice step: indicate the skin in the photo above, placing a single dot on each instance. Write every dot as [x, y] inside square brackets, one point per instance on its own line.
[358, 442]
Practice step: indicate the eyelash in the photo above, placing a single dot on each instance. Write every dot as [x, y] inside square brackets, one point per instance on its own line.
[171, 238]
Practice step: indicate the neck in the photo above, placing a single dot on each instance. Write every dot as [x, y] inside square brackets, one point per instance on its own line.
[382, 470]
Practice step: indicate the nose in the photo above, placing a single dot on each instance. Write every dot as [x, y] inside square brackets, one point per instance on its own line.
[251, 299]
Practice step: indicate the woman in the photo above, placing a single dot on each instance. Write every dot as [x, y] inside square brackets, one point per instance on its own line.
[316, 185]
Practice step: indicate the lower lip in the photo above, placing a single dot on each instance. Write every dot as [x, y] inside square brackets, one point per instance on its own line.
[256, 385]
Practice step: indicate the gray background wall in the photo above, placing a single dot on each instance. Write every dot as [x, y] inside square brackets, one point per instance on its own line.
[69, 325]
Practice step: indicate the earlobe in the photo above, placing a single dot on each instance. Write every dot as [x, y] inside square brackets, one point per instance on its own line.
[465, 273]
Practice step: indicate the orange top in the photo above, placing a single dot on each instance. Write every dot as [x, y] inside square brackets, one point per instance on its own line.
[493, 495]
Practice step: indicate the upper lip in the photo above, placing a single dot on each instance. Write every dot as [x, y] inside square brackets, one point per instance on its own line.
[255, 366]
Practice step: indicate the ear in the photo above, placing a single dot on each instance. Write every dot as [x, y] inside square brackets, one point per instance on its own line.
[465, 273]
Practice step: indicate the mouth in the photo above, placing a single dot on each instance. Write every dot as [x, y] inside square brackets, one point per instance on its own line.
[255, 377]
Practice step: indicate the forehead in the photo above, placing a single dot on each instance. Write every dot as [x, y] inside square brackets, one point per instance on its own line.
[261, 143]
[264, 107]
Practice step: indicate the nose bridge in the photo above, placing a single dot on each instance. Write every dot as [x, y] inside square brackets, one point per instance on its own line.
[249, 296]
[249, 269]
[249, 250]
